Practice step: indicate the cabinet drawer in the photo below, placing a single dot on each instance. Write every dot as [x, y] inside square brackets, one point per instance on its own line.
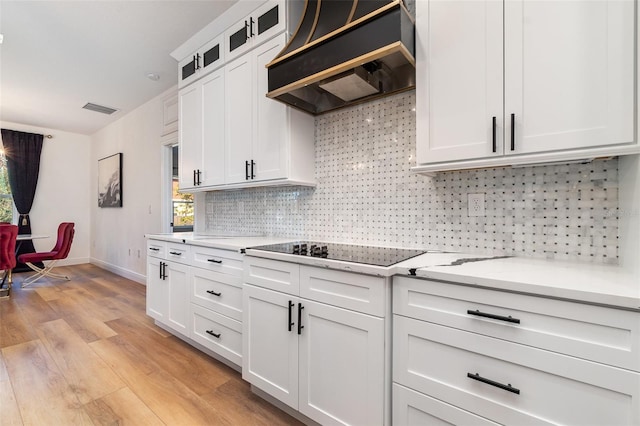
[218, 260]
[412, 408]
[178, 252]
[218, 333]
[156, 248]
[272, 274]
[438, 360]
[596, 333]
[218, 292]
[362, 293]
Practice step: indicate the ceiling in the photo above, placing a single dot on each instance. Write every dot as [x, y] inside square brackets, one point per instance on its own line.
[58, 55]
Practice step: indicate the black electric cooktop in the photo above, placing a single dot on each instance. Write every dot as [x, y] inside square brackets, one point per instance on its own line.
[369, 255]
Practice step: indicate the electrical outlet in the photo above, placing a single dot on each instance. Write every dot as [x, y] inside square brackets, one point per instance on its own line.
[476, 204]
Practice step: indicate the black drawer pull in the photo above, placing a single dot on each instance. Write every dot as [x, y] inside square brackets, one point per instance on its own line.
[175, 253]
[492, 316]
[154, 249]
[507, 387]
[214, 261]
[214, 293]
[217, 336]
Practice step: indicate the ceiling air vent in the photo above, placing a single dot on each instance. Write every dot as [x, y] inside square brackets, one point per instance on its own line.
[99, 108]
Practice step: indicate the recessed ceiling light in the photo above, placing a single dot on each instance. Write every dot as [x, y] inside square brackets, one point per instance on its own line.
[153, 76]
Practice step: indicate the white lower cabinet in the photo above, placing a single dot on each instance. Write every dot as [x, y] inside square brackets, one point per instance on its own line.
[496, 356]
[325, 361]
[197, 293]
[416, 409]
[168, 285]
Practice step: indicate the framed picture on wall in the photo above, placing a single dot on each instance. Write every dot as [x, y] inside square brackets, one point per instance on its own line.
[110, 181]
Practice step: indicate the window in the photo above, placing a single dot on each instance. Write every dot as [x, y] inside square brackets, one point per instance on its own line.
[6, 201]
[181, 204]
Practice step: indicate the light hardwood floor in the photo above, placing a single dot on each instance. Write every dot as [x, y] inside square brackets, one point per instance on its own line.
[84, 352]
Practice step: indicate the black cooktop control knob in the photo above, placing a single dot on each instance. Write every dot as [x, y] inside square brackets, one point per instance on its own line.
[296, 249]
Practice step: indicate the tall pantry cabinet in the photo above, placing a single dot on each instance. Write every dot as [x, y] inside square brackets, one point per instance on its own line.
[517, 82]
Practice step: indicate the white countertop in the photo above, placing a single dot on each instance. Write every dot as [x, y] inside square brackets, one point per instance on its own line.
[585, 282]
[225, 242]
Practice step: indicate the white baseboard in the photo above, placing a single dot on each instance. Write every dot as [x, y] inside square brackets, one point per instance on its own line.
[118, 270]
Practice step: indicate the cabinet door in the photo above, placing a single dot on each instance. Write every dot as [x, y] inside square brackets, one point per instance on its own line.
[211, 55]
[569, 74]
[459, 79]
[157, 291]
[238, 37]
[190, 134]
[269, 20]
[187, 70]
[341, 366]
[178, 279]
[213, 129]
[239, 113]
[270, 131]
[270, 343]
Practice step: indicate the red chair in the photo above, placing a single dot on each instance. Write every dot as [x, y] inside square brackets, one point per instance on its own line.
[8, 234]
[60, 251]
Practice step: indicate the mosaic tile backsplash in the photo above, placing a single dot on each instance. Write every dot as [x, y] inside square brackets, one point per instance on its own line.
[366, 194]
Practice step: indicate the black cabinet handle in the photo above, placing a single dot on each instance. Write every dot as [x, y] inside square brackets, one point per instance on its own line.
[194, 177]
[290, 314]
[175, 253]
[246, 170]
[300, 326]
[217, 336]
[513, 132]
[251, 22]
[493, 134]
[506, 387]
[493, 316]
[154, 249]
[214, 261]
[199, 181]
[253, 175]
[198, 61]
[214, 293]
[163, 270]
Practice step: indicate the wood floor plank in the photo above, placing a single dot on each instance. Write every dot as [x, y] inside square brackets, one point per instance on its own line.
[175, 403]
[195, 369]
[14, 326]
[123, 358]
[84, 370]
[81, 320]
[9, 411]
[43, 395]
[35, 308]
[245, 408]
[122, 408]
[49, 293]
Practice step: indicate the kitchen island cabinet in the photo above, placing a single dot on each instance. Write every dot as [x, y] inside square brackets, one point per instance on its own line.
[326, 361]
[511, 83]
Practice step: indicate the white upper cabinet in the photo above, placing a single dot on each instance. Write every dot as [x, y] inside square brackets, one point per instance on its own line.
[258, 27]
[522, 82]
[231, 134]
[202, 132]
[206, 59]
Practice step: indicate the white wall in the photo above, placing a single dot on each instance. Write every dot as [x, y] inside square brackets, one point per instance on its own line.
[63, 190]
[117, 234]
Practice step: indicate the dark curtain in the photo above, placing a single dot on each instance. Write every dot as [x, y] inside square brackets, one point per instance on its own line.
[22, 151]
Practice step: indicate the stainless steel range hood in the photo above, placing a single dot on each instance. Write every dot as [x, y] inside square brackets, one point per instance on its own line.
[345, 52]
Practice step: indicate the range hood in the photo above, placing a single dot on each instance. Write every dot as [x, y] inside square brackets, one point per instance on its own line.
[345, 52]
